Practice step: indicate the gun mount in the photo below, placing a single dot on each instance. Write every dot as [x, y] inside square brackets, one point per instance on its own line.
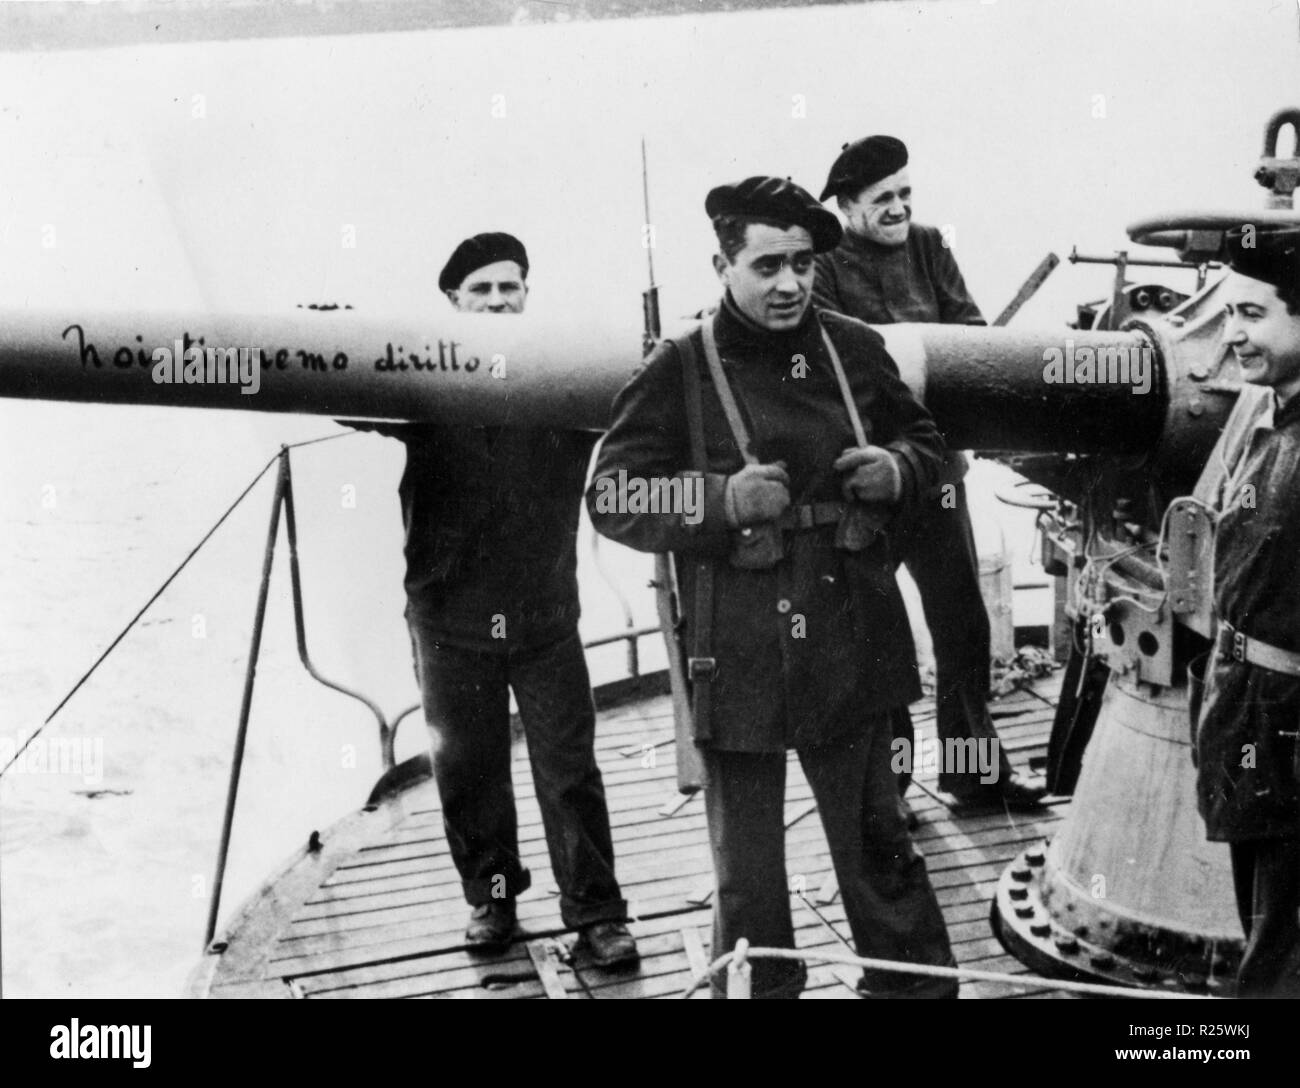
[1129, 890]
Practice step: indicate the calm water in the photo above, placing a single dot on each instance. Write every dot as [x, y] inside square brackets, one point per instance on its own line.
[223, 175]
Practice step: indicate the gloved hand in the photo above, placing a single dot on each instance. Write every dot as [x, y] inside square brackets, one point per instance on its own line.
[756, 494]
[870, 474]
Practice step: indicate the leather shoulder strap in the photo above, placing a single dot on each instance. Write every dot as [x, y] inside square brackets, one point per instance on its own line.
[694, 408]
[859, 431]
[729, 406]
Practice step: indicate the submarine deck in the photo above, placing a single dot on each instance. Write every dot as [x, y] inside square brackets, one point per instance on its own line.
[373, 908]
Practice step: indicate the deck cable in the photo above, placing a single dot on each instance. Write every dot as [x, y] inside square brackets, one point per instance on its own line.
[825, 922]
[1028, 981]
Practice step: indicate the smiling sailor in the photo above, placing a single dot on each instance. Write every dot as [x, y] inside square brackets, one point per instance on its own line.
[887, 269]
[1248, 785]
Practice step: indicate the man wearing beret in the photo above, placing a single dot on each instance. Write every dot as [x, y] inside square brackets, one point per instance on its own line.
[1248, 779]
[805, 438]
[491, 518]
[888, 269]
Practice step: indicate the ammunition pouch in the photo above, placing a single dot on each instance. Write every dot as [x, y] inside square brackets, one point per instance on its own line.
[858, 527]
[757, 547]
[761, 547]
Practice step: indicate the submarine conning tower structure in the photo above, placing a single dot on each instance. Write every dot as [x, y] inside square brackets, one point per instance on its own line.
[1115, 417]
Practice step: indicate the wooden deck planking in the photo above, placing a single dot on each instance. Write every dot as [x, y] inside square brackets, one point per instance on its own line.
[661, 973]
[670, 884]
[934, 838]
[400, 921]
[537, 918]
[388, 921]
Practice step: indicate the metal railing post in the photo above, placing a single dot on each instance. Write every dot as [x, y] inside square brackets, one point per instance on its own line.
[387, 733]
[250, 675]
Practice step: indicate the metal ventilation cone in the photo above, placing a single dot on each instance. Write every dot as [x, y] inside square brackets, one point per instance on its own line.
[1128, 890]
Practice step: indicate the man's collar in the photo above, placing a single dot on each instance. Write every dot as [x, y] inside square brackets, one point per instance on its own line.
[1283, 412]
[734, 312]
[736, 325]
[863, 244]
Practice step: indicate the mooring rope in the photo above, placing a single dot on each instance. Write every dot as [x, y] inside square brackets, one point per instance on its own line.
[742, 953]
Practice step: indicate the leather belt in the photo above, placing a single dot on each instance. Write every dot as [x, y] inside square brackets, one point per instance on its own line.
[1234, 645]
[811, 515]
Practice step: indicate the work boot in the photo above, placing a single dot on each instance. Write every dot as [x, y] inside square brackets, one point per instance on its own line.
[610, 944]
[1018, 791]
[490, 927]
[889, 986]
[1013, 790]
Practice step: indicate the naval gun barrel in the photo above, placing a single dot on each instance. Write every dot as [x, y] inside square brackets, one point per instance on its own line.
[1020, 389]
[989, 388]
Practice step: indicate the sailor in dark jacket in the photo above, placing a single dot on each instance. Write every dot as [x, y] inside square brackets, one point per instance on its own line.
[491, 517]
[792, 627]
[1248, 783]
[887, 269]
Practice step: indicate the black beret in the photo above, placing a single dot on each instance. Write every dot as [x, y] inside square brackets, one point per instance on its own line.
[864, 163]
[780, 200]
[474, 253]
[1270, 255]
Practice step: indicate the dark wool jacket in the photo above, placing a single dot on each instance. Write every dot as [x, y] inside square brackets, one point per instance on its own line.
[790, 641]
[1247, 785]
[881, 285]
[491, 517]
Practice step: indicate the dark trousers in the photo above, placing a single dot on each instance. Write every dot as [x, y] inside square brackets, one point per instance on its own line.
[891, 907]
[467, 706]
[1266, 878]
[937, 545]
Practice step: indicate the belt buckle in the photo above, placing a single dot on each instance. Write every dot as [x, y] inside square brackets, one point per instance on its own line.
[701, 668]
[1238, 646]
